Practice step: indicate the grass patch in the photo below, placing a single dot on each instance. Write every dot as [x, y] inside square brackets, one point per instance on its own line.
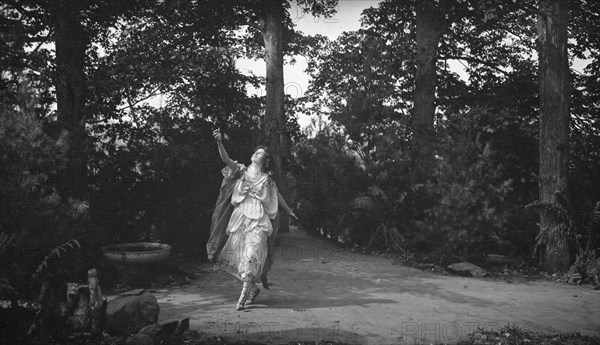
[513, 335]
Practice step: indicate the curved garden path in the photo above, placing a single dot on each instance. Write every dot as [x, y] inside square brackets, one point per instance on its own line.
[322, 293]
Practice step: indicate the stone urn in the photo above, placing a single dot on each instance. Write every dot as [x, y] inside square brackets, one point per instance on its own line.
[135, 262]
[136, 253]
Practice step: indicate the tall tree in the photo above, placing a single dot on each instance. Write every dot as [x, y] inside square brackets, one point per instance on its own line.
[272, 25]
[274, 18]
[71, 41]
[429, 27]
[554, 125]
[69, 25]
[272, 30]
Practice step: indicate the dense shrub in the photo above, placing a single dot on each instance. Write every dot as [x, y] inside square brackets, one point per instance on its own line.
[161, 183]
[468, 211]
[466, 208]
[327, 178]
[34, 217]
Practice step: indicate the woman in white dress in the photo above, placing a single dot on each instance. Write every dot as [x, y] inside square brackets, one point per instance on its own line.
[255, 201]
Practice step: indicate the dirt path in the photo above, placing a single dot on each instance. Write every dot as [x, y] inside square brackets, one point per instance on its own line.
[321, 293]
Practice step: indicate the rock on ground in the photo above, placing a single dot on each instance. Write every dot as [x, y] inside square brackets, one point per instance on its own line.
[467, 269]
[127, 314]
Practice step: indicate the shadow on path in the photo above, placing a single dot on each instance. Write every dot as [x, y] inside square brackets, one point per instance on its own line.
[322, 293]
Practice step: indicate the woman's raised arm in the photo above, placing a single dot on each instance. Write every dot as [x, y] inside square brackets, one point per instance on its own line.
[222, 152]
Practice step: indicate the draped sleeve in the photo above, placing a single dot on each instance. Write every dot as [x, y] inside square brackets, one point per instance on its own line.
[271, 204]
[233, 174]
[223, 209]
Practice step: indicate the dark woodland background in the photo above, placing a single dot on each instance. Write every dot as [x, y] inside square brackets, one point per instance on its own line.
[413, 160]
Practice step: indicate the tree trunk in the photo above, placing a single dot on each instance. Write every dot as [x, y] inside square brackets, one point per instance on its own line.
[429, 29]
[71, 44]
[554, 124]
[274, 122]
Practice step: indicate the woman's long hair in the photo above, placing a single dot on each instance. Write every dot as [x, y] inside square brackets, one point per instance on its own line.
[268, 164]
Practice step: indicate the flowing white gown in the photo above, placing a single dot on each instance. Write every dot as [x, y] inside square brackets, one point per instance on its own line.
[254, 199]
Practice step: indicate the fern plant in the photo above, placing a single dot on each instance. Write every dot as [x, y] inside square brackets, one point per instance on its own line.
[566, 225]
[583, 232]
[588, 240]
[7, 241]
[587, 260]
[44, 269]
[51, 276]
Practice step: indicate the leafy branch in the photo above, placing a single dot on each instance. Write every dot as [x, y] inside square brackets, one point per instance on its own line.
[6, 241]
[472, 59]
[43, 267]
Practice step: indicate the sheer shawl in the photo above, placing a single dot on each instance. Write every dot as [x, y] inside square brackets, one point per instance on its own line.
[224, 208]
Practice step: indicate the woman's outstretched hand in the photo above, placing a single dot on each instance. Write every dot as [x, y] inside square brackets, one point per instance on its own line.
[218, 136]
[222, 152]
[293, 215]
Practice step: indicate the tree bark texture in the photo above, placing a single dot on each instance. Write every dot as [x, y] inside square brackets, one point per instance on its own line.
[429, 29]
[71, 44]
[554, 124]
[274, 121]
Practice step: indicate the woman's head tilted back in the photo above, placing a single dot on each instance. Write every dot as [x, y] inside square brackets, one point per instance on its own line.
[263, 157]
